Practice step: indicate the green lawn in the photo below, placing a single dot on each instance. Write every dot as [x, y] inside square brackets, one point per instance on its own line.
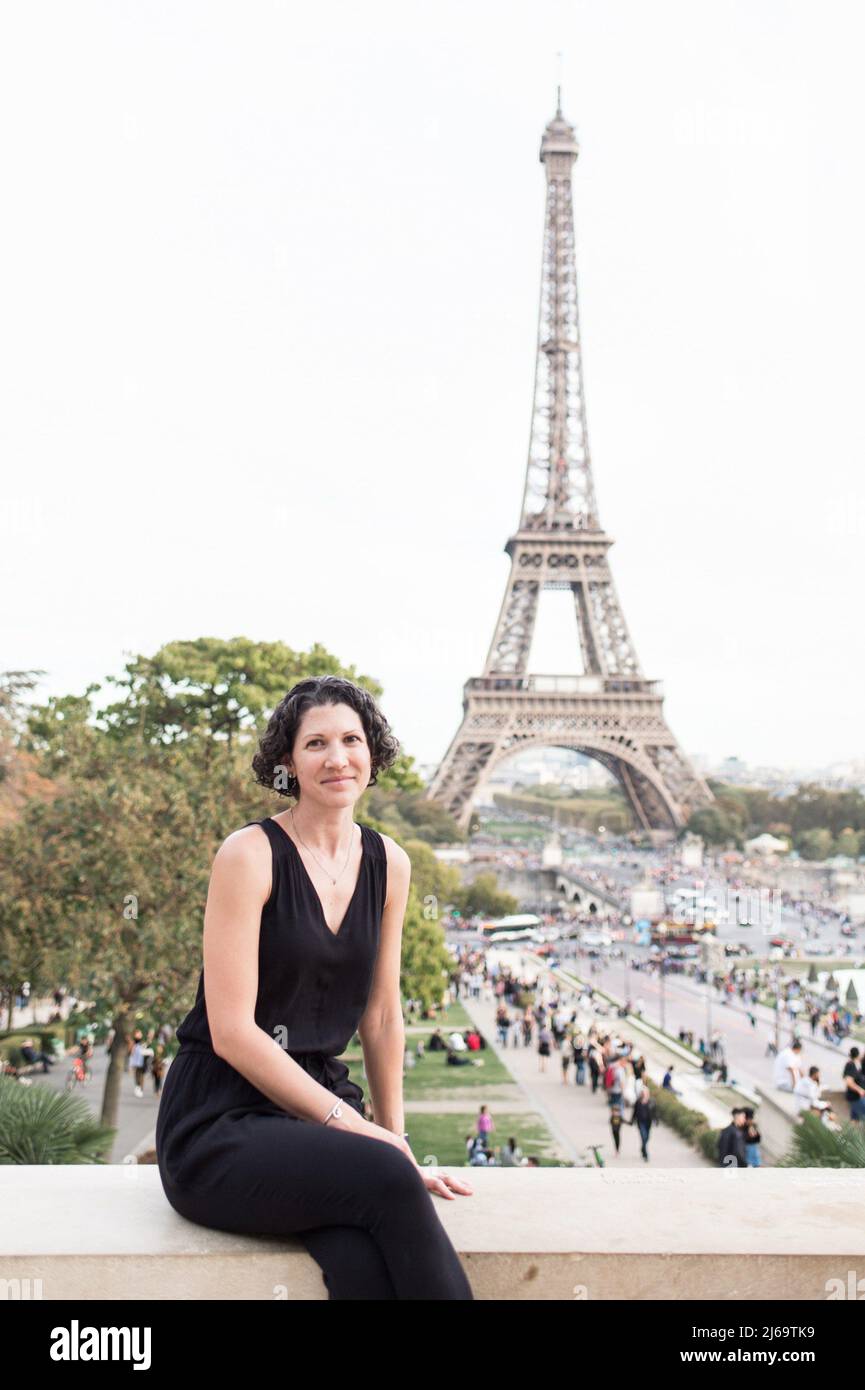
[452, 1019]
[432, 1073]
[512, 830]
[444, 1134]
[444, 1137]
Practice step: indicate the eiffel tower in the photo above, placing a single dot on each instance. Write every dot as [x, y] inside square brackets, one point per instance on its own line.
[611, 712]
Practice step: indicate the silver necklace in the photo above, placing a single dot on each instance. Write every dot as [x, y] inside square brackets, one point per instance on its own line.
[315, 856]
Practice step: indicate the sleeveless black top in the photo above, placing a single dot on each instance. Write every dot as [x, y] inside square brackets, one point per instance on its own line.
[313, 984]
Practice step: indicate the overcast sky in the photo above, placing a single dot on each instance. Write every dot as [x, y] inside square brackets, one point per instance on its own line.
[269, 310]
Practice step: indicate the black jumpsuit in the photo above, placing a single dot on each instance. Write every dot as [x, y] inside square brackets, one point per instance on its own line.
[231, 1159]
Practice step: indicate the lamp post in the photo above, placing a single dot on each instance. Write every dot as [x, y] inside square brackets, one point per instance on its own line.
[662, 961]
[709, 986]
[707, 964]
[626, 922]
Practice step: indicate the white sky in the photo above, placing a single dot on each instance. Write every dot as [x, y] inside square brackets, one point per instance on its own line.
[270, 289]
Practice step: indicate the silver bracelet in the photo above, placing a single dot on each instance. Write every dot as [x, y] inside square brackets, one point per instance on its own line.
[334, 1113]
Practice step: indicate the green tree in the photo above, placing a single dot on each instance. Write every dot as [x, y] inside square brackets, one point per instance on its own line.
[412, 814]
[103, 887]
[714, 824]
[849, 842]
[815, 844]
[426, 961]
[103, 883]
[484, 896]
[436, 884]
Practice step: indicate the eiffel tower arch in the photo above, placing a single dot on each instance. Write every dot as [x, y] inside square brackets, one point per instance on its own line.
[611, 712]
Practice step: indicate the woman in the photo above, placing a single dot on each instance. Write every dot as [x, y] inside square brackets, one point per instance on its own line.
[260, 1130]
[616, 1121]
[579, 1051]
[644, 1116]
[753, 1139]
[138, 1061]
[545, 1038]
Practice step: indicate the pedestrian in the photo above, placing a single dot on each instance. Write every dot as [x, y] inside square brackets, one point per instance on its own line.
[137, 1061]
[479, 1156]
[485, 1125]
[512, 1155]
[594, 1066]
[752, 1139]
[545, 1038]
[614, 1080]
[579, 1051]
[616, 1125]
[644, 1116]
[157, 1066]
[731, 1142]
[32, 1057]
[807, 1091]
[788, 1066]
[854, 1085]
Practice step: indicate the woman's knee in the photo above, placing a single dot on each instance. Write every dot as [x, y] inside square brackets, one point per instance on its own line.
[391, 1171]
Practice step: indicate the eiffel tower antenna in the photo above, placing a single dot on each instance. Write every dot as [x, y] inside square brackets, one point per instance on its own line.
[611, 712]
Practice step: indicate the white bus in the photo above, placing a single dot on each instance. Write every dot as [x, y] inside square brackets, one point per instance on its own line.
[520, 926]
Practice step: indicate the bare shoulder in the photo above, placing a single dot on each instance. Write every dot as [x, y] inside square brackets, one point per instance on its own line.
[248, 844]
[398, 868]
[245, 858]
[397, 855]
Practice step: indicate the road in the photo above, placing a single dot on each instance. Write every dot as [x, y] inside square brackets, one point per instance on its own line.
[687, 1005]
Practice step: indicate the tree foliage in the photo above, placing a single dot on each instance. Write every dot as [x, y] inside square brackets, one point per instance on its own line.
[104, 873]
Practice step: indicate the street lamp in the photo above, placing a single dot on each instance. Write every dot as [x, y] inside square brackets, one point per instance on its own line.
[709, 986]
[626, 923]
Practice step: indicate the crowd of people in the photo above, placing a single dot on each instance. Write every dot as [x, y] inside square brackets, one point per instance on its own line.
[594, 1055]
[805, 1084]
[145, 1053]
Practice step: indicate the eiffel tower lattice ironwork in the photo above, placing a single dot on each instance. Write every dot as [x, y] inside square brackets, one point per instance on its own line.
[611, 712]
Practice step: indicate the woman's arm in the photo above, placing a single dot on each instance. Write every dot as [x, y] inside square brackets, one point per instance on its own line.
[240, 885]
[382, 1028]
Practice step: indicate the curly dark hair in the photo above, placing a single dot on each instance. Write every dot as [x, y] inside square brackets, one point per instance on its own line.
[277, 741]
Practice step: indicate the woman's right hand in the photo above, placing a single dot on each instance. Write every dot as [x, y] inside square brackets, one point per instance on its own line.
[354, 1123]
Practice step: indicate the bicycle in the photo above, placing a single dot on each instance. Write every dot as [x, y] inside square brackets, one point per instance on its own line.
[594, 1149]
[78, 1075]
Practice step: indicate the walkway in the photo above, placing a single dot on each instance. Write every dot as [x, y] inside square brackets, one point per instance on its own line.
[573, 1115]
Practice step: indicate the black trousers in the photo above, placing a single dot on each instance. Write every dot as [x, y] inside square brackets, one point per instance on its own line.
[358, 1205]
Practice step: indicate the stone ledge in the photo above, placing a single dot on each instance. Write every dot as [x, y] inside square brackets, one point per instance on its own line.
[94, 1232]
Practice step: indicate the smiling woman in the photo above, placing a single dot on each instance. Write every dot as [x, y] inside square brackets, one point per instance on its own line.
[260, 1129]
